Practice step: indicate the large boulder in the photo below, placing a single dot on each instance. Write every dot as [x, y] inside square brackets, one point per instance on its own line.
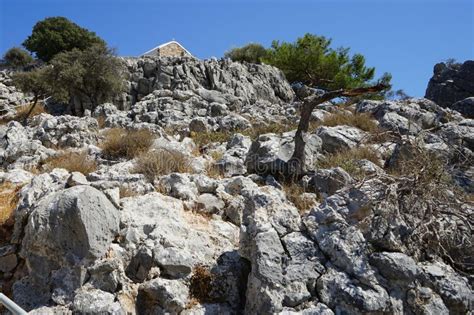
[451, 83]
[66, 231]
[270, 152]
[465, 107]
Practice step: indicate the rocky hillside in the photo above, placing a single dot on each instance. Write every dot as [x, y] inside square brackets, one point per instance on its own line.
[162, 203]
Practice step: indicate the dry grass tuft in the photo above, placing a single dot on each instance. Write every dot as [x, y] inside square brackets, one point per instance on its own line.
[214, 171]
[362, 121]
[346, 159]
[121, 143]
[127, 192]
[204, 138]
[71, 161]
[22, 111]
[161, 162]
[273, 127]
[9, 198]
[200, 287]
[101, 121]
[294, 193]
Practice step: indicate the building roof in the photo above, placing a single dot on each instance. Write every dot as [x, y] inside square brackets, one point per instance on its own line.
[166, 44]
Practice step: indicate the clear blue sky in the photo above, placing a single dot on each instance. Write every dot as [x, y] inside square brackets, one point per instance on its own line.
[403, 37]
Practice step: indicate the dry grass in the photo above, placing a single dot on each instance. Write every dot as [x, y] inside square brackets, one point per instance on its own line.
[204, 138]
[101, 121]
[200, 286]
[346, 159]
[274, 127]
[121, 143]
[214, 171]
[161, 162]
[71, 161]
[22, 111]
[362, 121]
[294, 193]
[127, 192]
[8, 201]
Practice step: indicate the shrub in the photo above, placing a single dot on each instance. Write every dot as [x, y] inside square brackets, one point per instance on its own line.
[8, 201]
[346, 159]
[54, 35]
[71, 161]
[362, 121]
[200, 287]
[204, 138]
[252, 53]
[17, 58]
[121, 143]
[161, 162]
[22, 112]
[294, 193]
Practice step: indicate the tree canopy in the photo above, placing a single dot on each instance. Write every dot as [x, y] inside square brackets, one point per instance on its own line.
[252, 53]
[16, 57]
[94, 74]
[311, 60]
[57, 34]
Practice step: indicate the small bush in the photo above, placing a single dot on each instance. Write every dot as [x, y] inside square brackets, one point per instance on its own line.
[346, 159]
[121, 143]
[17, 58]
[362, 121]
[214, 171]
[252, 53]
[71, 161]
[200, 287]
[294, 193]
[204, 138]
[8, 201]
[161, 162]
[274, 127]
[23, 110]
[125, 191]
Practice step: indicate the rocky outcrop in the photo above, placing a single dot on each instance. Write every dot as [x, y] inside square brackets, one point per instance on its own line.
[10, 97]
[451, 83]
[352, 237]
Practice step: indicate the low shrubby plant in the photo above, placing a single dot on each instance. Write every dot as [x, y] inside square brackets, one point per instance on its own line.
[295, 194]
[161, 162]
[122, 143]
[346, 159]
[9, 198]
[71, 161]
[23, 111]
[362, 121]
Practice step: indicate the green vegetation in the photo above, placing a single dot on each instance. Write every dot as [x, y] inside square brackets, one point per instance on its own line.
[17, 58]
[94, 74]
[54, 35]
[311, 61]
[347, 160]
[252, 53]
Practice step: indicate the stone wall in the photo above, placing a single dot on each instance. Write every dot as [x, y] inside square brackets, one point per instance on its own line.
[172, 50]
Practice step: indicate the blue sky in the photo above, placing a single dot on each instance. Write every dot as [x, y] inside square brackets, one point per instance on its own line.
[403, 37]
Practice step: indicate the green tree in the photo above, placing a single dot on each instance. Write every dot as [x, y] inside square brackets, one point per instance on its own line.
[34, 82]
[94, 75]
[252, 53]
[311, 61]
[17, 58]
[57, 34]
[324, 74]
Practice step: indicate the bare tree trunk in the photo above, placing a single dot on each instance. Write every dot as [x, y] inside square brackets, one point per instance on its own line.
[297, 161]
[35, 101]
